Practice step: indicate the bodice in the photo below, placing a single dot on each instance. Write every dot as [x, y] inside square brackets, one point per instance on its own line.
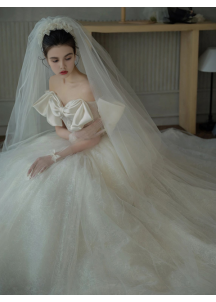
[76, 114]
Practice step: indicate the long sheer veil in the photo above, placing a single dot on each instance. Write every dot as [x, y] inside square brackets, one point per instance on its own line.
[141, 147]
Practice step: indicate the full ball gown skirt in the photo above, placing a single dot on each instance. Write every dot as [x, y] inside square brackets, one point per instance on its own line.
[81, 227]
[85, 226]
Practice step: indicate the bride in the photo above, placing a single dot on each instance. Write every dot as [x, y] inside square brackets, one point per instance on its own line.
[94, 198]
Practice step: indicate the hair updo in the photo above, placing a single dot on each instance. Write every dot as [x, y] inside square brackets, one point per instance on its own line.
[58, 37]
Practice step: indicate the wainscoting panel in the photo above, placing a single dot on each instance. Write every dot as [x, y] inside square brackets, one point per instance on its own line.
[149, 61]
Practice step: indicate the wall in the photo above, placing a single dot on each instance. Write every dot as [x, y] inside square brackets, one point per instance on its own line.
[149, 61]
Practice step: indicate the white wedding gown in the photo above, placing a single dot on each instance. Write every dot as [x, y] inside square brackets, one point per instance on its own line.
[81, 227]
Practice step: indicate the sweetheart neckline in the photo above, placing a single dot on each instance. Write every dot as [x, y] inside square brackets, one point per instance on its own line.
[70, 100]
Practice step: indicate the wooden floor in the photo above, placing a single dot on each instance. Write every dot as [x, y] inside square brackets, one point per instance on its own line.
[199, 132]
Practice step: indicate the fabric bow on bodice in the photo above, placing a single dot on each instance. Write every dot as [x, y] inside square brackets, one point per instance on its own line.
[76, 112]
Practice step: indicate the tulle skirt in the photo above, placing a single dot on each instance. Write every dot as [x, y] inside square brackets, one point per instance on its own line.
[82, 227]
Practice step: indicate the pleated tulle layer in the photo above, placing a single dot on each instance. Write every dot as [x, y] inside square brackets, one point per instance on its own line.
[82, 227]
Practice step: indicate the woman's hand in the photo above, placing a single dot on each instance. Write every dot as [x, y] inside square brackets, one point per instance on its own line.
[41, 164]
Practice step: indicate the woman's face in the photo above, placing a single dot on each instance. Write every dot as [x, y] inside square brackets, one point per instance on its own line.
[61, 58]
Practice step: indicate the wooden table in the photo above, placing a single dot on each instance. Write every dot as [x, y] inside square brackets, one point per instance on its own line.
[188, 59]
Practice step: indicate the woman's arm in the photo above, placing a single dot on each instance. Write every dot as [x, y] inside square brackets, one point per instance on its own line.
[44, 162]
[87, 132]
[62, 132]
[78, 147]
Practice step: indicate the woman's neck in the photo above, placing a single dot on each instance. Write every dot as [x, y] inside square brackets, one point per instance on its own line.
[74, 77]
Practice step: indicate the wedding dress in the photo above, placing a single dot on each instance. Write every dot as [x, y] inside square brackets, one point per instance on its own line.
[82, 228]
[117, 218]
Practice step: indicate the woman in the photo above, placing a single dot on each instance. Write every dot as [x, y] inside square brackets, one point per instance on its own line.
[117, 207]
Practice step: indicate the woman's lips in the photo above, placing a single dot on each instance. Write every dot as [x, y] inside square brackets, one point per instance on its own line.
[63, 72]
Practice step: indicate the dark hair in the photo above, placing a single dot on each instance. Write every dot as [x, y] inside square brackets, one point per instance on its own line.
[58, 37]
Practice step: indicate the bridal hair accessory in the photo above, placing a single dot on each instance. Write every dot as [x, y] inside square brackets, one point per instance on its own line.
[54, 156]
[57, 23]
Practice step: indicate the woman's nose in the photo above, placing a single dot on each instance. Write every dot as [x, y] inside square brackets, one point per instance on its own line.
[61, 65]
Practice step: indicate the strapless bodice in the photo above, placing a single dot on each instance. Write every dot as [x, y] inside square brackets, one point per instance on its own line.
[76, 113]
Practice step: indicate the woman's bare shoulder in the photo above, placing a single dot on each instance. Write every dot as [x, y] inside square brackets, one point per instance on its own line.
[88, 91]
[81, 85]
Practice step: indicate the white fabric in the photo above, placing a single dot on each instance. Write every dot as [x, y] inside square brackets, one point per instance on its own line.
[81, 227]
[110, 113]
[135, 214]
[77, 111]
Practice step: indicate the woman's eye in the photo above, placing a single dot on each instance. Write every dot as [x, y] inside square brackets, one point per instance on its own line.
[57, 60]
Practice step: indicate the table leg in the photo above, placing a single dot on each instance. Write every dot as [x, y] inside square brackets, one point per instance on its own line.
[188, 80]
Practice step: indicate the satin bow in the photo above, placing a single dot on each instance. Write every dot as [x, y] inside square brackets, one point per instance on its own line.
[76, 110]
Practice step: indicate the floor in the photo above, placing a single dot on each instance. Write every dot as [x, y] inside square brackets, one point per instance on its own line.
[199, 132]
